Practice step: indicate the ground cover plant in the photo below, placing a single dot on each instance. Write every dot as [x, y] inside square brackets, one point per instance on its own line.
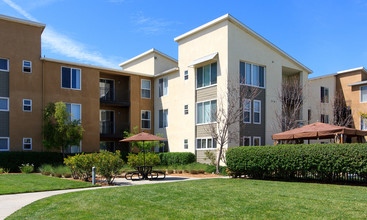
[20, 183]
[206, 199]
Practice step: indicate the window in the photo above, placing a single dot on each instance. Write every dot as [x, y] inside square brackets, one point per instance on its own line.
[257, 141]
[186, 75]
[205, 143]
[145, 119]
[252, 75]
[186, 144]
[247, 111]
[324, 118]
[324, 95]
[363, 93]
[106, 90]
[106, 122]
[4, 143]
[27, 143]
[163, 118]
[4, 64]
[186, 109]
[74, 149]
[145, 88]
[257, 112]
[27, 105]
[309, 115]
[163, 86]
[27, 66]
[206, 112]
[107, 145]
[4, 104]
[363, 123]
[70, 78]
[74, 111]
[246, 141]
[206, 75]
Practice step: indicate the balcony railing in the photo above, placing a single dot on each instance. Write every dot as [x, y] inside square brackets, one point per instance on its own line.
[106, 95]
[106, 127]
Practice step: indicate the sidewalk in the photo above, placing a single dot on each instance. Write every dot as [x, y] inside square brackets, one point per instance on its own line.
[12, 202]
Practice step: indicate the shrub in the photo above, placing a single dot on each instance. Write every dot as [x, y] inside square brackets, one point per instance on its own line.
[151, 159]
[26, 168]
[1, 170]
[194, 172]
[176, 158]
[45, 169]
[325, 162]
[13, 160]
[81, 165]
[109, 165]
[211, 156]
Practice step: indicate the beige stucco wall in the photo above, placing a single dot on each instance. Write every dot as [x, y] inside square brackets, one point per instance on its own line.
[144, 64]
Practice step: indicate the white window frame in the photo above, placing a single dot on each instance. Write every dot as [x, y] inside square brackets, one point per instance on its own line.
[163, 121]
[206, 140]
[71, 78]
[186, 144]
[30, 105]
[25, 138]
[210, 75]
[252, 75]
[7, 100]
[360, 93]
[5, 70]
[164, 81]
[150, 89]
[30, 67]
[196, 118]
[186, 74]
[253, 140]
[8, 143]
[186, 109]
[257, 101]
[71, 104]
[249, 110]
[150, 118]
[243, 140]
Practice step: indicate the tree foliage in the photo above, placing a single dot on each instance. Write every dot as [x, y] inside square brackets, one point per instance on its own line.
[59, 131]
[142, 146]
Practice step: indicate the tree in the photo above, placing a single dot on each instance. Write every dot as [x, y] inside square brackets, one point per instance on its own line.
[342, 113]
[291, 97]
[227, 116]
[59, 131]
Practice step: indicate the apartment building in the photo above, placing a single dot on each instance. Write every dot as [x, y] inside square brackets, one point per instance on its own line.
[349, 86]
[107, 101]
[157, 93]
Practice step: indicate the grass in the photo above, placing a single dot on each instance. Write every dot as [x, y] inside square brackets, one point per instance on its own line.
[206, 199]
[20, 183]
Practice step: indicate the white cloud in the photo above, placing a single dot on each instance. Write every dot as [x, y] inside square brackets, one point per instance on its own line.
[149, 25]
[64, 45]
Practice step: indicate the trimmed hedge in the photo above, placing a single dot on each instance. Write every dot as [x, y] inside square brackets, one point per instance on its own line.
[325, 162]
[176, 158]
[12, 160]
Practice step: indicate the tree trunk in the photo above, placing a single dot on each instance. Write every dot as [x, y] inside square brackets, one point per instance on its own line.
[218, 158]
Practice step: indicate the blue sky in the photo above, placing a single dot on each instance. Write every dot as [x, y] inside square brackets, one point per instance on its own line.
[327, 36]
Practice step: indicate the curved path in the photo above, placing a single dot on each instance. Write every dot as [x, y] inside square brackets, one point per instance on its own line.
[13, 202]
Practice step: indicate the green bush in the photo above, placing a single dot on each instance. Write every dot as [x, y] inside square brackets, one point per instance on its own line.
[26, 168]
[325, 162]
[45, 169]
[12, 160]
[151, 159]
[109, 165]
[81, 165]
[176, 158]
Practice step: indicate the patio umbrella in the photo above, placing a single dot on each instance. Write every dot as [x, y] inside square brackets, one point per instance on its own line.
[143, 137]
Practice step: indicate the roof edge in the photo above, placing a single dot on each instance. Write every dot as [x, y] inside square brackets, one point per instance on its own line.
[153, 50]
[340, 72]
[22, 21]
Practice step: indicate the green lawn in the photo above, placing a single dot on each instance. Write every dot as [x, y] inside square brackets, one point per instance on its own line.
[206, 199]
[20, 183]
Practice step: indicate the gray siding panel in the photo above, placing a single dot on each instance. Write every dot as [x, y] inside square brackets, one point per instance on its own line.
[255, 129]
[201, 158]
[4, 124]
[201, 131]
[206, 94]
[4, 84]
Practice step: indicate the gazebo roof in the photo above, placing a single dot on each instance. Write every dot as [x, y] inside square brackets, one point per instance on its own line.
[317, 130]
[143, 137]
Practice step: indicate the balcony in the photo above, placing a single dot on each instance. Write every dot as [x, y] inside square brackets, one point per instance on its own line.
[107, 98]
[109, 129]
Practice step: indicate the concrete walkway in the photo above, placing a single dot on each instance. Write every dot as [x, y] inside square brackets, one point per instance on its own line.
[13, 202]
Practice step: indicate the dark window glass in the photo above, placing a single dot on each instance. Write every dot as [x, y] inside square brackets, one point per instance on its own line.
[261, 76]
[4, 64]
[214, 73]
[3, 144]
[242, 72]
[199, 77]
[66, 77]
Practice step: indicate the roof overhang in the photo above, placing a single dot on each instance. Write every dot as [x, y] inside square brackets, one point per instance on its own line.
[174, 69]
[206, 58]
[246, 29]
[22, 21]
[359, 83]
[147, 53]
